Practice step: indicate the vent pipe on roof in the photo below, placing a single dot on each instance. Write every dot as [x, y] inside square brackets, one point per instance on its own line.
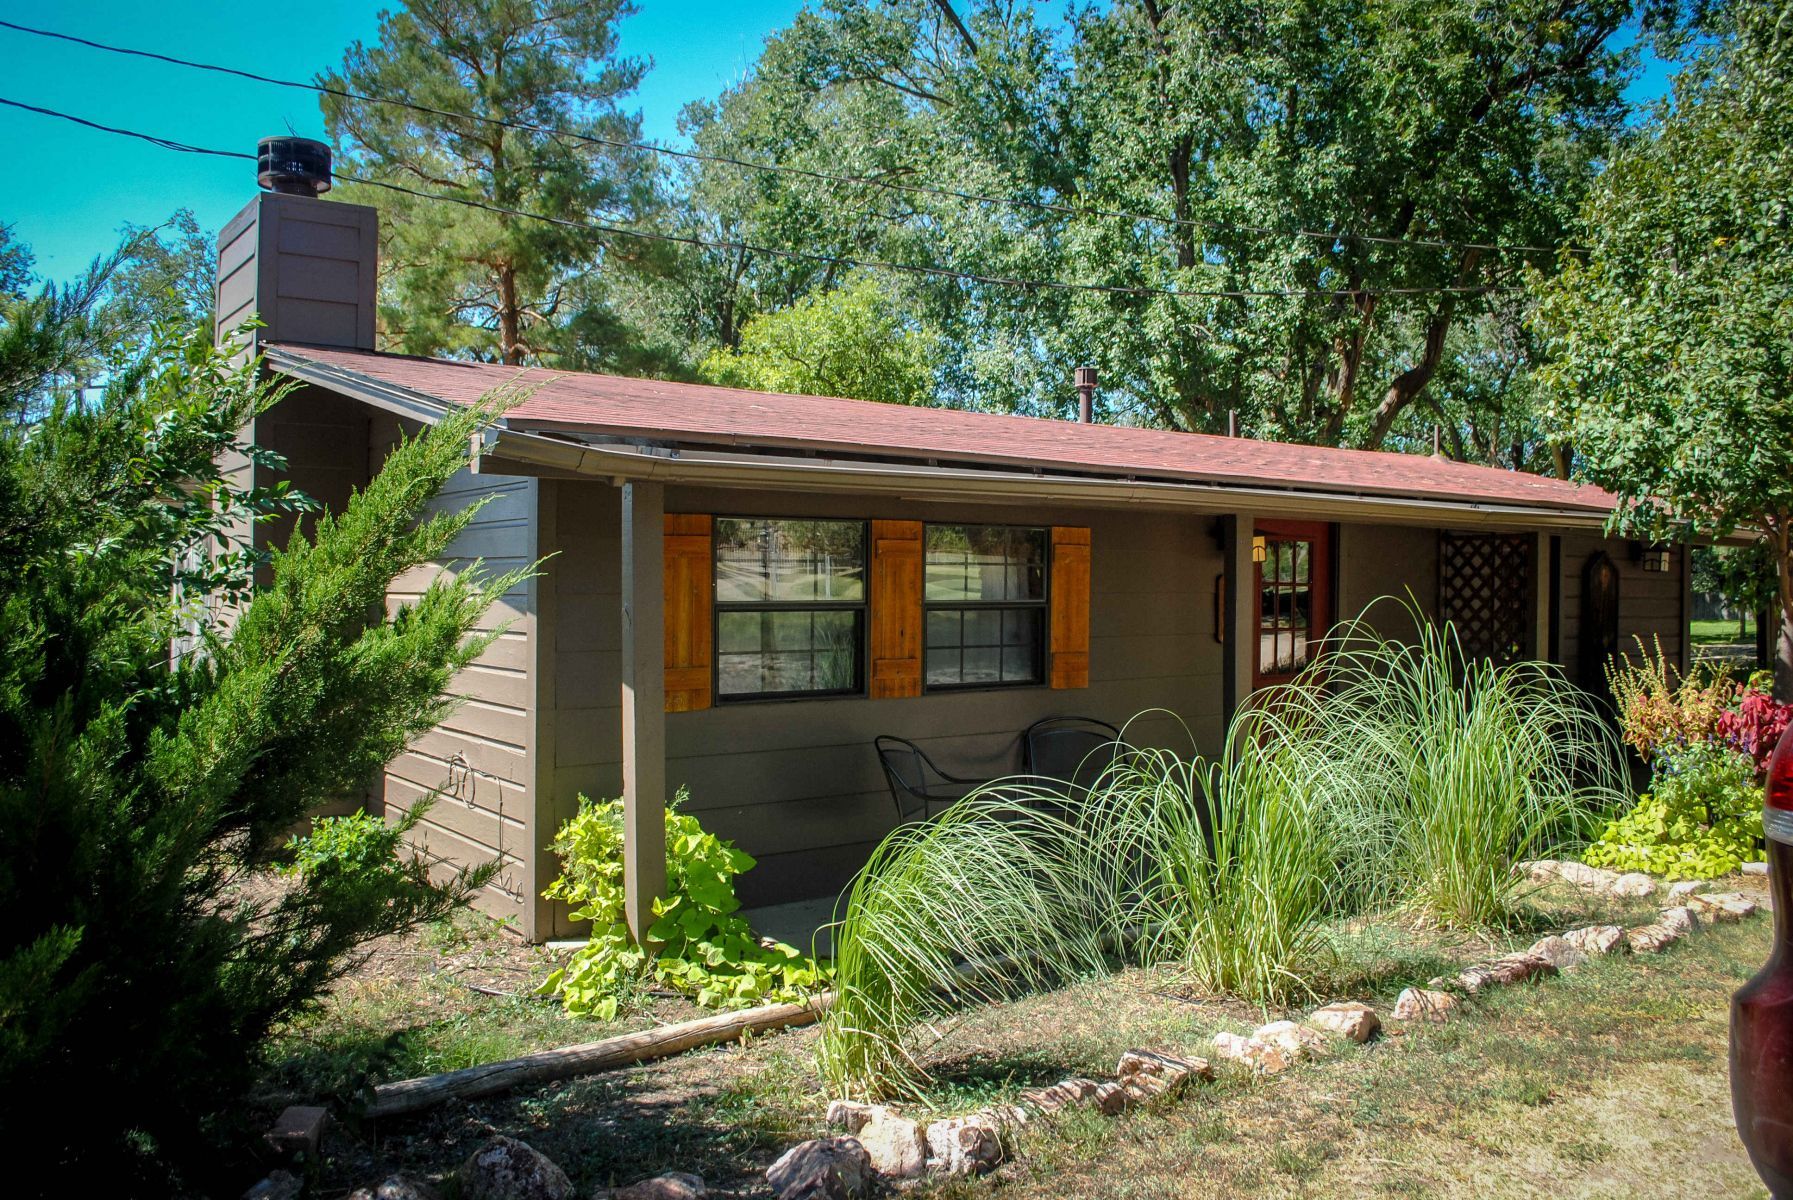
[1086, 394]
[292, 166]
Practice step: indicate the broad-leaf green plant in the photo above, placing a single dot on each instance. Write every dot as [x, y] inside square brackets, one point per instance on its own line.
[699, 945]
[1701, 818]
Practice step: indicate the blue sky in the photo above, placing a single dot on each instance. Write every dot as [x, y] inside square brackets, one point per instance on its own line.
[68, 190]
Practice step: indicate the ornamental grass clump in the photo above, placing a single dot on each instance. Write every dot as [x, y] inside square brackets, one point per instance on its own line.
[994, 899]
[1228, 871]
[1474, 765]
[1387, 773]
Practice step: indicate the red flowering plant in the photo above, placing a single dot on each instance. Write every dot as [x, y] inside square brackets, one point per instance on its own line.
[1754, 725]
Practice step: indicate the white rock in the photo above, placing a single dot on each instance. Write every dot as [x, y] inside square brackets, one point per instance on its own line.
[1507, 969]
[1659, 935]
[1423, 1004]
[1687, 887]
[1755, 868]
[674, 1185]
[505, 1168]
[1266, 1058]
[1634, 885]
[850, 1115]
[1680, 920]
[1297, 1041]
[1597, 939]
[1559, 952]
[1349, 1019]
[1148, 1073]
[969, 1145]
[1541, 870]
[896, 1145]
[1584, 876]
[822, 1169]
[403, 1187]
[1063, 1094]
[1722, 906]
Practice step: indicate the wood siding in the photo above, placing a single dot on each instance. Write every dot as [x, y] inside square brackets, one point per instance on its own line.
[481, 758]
[1652, 604]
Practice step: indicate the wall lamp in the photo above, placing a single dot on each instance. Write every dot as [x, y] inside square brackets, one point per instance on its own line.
[1653, 557]
[1259, 550]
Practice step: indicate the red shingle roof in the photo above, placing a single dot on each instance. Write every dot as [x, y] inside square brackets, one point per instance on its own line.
[699, 414]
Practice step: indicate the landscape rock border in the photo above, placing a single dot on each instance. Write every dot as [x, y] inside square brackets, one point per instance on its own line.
[1274, 1047]
[876, 1143]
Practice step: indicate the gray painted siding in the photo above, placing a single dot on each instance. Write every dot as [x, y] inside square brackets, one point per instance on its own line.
[796, 783]
[1375, 561]
[481, 758]
[1652, 604]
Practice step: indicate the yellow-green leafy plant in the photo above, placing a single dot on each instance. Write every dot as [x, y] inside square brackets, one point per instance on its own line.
[701, 947]
[1701, 818]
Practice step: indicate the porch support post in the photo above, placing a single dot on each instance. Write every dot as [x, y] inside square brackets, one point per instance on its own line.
[644, 703]
[1538, 572]
[1237, 652]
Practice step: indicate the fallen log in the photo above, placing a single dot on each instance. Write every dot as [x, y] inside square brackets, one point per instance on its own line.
[589, 1058]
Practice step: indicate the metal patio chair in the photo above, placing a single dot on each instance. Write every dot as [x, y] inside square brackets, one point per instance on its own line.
[1073, 751]
[918, 787]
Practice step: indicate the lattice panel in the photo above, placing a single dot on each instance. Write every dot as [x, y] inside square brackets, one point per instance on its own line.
[1484, 589]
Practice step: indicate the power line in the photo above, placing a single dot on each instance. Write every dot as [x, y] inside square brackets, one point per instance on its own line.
[786, 169]
[601, 228]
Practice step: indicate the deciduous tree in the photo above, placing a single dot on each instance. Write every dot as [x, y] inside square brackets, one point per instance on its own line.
[1672, 338]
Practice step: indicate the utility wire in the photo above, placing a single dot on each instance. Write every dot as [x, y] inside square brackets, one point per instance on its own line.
[785, 169]
[774, 251]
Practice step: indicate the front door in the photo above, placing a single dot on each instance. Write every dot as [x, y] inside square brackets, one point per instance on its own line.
[1294, 595]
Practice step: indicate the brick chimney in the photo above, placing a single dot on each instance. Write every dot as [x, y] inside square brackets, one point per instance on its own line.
[305, 266]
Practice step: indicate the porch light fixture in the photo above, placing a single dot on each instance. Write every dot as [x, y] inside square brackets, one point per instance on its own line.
[1655, 558]
[1259, 551]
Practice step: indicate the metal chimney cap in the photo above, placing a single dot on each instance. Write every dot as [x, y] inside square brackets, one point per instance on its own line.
[1086, 377]
[293, 166]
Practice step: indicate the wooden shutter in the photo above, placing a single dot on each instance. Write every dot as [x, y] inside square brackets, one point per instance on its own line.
[690, 597]
[896, 609]
[1069, 645]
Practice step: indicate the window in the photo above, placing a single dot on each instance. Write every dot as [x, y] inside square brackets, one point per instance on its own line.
[1294, 590]
[984, 591]
[790, 608]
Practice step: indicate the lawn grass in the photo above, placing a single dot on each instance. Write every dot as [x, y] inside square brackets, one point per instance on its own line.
[1610, 1082]
[1720, 633]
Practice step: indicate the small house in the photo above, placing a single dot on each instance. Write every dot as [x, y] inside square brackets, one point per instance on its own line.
[740, 591]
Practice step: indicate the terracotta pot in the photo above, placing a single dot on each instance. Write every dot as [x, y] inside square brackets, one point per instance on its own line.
[1762, 1010]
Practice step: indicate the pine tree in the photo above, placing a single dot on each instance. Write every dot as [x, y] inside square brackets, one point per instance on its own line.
[469, 281]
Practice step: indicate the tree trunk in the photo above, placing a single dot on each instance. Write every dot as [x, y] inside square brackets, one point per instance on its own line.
[510, 318]
[1409, 384]
[1783, 661]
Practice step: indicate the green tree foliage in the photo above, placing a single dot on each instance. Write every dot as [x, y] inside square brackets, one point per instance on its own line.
[474, 282]
[1742, 576]
[165, 277]
[1670, 338]
[1441, 121]
[854, 340]
[141, 964]
[18, 266]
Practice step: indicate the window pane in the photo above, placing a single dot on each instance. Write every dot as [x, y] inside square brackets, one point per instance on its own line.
[783, 652]
[985, 563]
[786, 560]
[981, 647]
